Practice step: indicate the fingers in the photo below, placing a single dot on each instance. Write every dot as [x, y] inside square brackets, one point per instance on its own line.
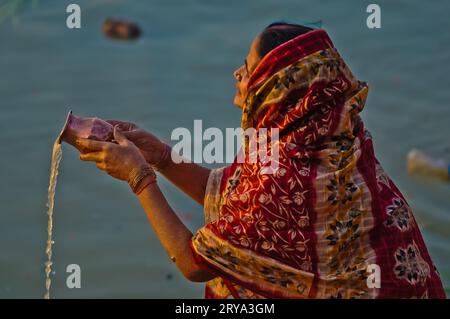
[124, 126]
[92, 156]
[91, 145]
[119, 137]
[132, 135]
[98, 158]
[114, 122]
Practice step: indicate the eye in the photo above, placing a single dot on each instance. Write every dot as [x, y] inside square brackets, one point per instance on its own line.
[239, 77]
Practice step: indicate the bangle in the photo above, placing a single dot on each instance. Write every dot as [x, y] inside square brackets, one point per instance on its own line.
[164, 160]
[137, 176]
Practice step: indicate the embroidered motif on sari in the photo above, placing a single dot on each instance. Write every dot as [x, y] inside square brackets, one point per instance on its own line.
[313, 227]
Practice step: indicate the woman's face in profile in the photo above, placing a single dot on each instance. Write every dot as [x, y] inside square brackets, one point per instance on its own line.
[242, 74]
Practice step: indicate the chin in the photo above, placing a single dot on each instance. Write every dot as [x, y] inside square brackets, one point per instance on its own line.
[237, 102]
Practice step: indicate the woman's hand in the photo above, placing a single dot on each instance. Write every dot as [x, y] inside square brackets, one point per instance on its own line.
[150, 146]
[116, 159]
[180, 173]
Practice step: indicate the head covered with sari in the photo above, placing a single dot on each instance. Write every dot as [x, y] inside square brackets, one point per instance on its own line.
[328, 220]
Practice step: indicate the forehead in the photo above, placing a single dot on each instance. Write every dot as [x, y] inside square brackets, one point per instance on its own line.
[253, 56]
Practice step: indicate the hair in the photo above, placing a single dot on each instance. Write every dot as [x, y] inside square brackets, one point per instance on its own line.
[273, 36]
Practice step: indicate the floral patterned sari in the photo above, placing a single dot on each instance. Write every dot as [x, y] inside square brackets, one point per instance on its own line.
[329, 216]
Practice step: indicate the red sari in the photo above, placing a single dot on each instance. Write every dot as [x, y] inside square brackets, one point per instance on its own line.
[329, 215]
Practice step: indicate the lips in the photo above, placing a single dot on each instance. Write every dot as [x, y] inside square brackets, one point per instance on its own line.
[237, 88]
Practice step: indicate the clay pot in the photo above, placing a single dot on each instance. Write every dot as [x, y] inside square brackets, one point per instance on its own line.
[85, 127]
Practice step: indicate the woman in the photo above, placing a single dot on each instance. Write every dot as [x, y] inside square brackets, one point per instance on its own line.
[328, 223]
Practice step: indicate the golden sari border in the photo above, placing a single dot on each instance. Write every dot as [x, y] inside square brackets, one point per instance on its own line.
[212, 195]
[261, 274]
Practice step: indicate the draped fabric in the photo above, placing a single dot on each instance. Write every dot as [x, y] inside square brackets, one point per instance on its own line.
[328, 223]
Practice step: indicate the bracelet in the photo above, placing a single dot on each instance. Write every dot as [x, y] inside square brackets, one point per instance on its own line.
[137, 175]
[164, 160]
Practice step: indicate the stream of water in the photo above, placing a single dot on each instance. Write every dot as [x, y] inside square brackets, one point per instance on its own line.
[56, 159]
